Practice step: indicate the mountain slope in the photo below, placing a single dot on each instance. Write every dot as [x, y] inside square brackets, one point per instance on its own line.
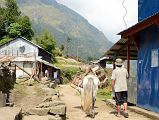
[86, 40]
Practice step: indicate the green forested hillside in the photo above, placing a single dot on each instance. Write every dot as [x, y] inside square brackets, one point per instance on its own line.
[86, 41]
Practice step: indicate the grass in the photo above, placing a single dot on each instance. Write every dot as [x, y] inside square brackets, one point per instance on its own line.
[20, 89]
[38, 90]
[69, 68]
[103, 94]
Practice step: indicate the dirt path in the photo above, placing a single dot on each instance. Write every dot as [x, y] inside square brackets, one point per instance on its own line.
[103, 112]
[30, 99]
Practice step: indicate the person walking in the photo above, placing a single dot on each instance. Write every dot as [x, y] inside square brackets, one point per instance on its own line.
[119, 85]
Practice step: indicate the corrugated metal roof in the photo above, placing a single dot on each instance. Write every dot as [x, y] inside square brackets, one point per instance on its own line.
[47, 63]
[119, 50]
[154, 19]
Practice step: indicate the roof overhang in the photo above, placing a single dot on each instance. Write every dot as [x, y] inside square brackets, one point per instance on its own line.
[119, 50]
[6, 58]
[47, 63]
[140, 26]
[128, 36]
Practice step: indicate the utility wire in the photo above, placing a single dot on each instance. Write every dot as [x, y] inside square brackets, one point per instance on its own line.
[125, 13]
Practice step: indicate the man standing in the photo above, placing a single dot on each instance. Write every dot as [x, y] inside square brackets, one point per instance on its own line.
[119, 84]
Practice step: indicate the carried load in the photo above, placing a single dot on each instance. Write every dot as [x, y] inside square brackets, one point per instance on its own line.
[97, 70]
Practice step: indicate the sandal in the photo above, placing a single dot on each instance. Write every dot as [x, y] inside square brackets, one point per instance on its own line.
[126, 115]
[118, 115]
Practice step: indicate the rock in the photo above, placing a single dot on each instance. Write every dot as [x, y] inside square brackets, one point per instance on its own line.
[56, 117]
[38, 111]
[58, 110]
[37, 117]
[50, 104]
[47, 99]
[55, 97]
[10, 104]
[52, 85]
[49, 91]
[31, 82]
[52, 92]
[51, 98]
[44, 81]
[10, 113]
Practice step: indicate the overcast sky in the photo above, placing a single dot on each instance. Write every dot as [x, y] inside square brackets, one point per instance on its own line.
[106, 15]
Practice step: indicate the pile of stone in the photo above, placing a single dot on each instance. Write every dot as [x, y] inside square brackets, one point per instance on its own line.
[52, 107]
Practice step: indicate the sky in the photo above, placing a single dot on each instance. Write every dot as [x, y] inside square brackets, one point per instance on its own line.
[106, 15]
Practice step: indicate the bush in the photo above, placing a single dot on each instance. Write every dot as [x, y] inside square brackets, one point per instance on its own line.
[7, 80]
[104, 93]
[68, 73]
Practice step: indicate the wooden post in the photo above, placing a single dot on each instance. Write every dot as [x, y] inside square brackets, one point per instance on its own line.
[113, 64]
[128, 58]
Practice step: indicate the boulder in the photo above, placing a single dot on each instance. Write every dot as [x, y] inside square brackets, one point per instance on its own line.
[38, 111]
[37, 117]
[10, 113]
[58, 110]
[56, 117]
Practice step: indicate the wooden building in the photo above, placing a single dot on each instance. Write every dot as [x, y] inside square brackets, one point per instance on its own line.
[141, 43]
[30, 57]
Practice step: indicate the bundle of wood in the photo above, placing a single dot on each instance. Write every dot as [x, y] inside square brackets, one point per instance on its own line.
[100, 73]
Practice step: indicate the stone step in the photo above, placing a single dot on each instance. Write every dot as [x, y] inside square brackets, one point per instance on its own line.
[10, 113]
[37, 117]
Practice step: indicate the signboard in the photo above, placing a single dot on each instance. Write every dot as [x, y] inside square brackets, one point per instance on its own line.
[154, 58]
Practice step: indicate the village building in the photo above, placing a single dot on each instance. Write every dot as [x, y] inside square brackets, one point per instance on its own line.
[30, 59]
[104, 62]
[139, 47]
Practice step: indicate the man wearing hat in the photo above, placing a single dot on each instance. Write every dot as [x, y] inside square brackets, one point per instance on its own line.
[119, 84]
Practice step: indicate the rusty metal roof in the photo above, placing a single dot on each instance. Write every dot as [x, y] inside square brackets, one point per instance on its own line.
[119, 50]
[6, 58]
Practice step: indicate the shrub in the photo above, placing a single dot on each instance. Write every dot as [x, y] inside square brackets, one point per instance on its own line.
[68, 73]
[104, 93]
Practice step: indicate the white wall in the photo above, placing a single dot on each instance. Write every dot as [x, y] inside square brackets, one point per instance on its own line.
[15, 47]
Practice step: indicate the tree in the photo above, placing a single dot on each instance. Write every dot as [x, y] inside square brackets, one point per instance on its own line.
[11, 12]
[62, 47]
[14, 30]
[26, 29]
[47, 42]
[2, 27]
[68, 40]
[2, 23]
[12, 24]
[89, 58]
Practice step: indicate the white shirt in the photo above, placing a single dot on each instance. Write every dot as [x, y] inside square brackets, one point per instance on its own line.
[120, 76]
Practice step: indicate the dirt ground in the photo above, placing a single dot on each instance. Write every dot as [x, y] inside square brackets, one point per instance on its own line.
[73, 102]
[103, 112]
[27, 97]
